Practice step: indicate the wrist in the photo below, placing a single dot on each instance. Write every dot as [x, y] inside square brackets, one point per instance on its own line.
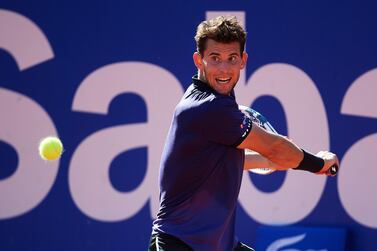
[310, 163]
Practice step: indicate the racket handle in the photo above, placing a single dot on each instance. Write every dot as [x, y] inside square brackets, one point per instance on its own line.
[333, 170]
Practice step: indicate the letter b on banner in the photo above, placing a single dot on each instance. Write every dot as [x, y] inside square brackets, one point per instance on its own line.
[300, 191]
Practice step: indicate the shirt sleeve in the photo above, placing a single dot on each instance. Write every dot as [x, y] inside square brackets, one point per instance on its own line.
[224, 123]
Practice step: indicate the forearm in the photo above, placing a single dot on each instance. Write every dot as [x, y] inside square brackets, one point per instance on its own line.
[301, 160]
[255, 160]
[276, 148]
[284, 153]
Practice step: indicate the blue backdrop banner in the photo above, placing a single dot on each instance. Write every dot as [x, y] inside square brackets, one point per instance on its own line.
[105, 76]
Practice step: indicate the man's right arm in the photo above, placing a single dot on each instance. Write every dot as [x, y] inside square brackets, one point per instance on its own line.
[282, 151]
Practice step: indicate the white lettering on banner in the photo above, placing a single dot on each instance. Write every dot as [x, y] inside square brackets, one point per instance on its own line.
[289, 204]
[27, 122]
[23, 40]
[89, 180]
[357, 180]
[23, 121]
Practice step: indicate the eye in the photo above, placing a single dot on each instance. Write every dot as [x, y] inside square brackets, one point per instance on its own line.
[233, 59]
[214, 59]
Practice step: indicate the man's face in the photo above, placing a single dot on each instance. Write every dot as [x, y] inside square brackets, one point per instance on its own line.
[220, 65]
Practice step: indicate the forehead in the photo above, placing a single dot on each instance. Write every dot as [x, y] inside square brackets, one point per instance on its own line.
[214, 47]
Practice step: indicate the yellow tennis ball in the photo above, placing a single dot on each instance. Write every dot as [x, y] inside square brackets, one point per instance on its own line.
[50, 148]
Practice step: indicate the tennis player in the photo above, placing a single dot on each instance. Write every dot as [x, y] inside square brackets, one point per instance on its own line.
[204, 157]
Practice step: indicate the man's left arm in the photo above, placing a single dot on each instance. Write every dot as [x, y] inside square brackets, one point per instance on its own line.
[254, 160]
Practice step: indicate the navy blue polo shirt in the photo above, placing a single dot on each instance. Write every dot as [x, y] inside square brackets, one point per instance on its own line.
[201, 170]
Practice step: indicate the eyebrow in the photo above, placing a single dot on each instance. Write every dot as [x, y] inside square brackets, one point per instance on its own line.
[218, 54]
[214, 54]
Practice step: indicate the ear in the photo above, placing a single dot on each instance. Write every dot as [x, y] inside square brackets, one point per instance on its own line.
[244, 59]
[198, 61]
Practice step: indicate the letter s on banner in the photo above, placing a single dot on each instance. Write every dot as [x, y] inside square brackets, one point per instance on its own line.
[23, 39]
[89, 180]
[23, 121]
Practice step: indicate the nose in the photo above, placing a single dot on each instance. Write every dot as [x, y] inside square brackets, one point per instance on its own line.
[223, 67]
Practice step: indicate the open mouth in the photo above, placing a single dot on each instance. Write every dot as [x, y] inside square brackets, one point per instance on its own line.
[223, 80]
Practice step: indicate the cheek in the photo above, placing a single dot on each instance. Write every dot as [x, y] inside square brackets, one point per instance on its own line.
[236, 70]
[211, 70]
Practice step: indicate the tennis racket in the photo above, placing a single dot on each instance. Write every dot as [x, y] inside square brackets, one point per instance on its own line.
[260, 120]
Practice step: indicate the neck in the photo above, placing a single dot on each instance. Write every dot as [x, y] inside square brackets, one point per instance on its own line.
[201, 77]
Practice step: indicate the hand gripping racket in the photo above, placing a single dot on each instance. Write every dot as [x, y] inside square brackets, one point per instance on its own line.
[260, 120]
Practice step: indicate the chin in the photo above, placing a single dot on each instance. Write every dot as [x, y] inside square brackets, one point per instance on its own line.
[225, 92]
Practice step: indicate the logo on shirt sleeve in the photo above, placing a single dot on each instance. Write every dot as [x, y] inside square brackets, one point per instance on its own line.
[246, 125]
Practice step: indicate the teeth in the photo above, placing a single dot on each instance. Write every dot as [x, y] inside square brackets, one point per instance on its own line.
[223, 80]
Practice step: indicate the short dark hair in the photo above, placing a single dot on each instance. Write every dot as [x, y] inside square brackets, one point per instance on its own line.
[221, 29]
